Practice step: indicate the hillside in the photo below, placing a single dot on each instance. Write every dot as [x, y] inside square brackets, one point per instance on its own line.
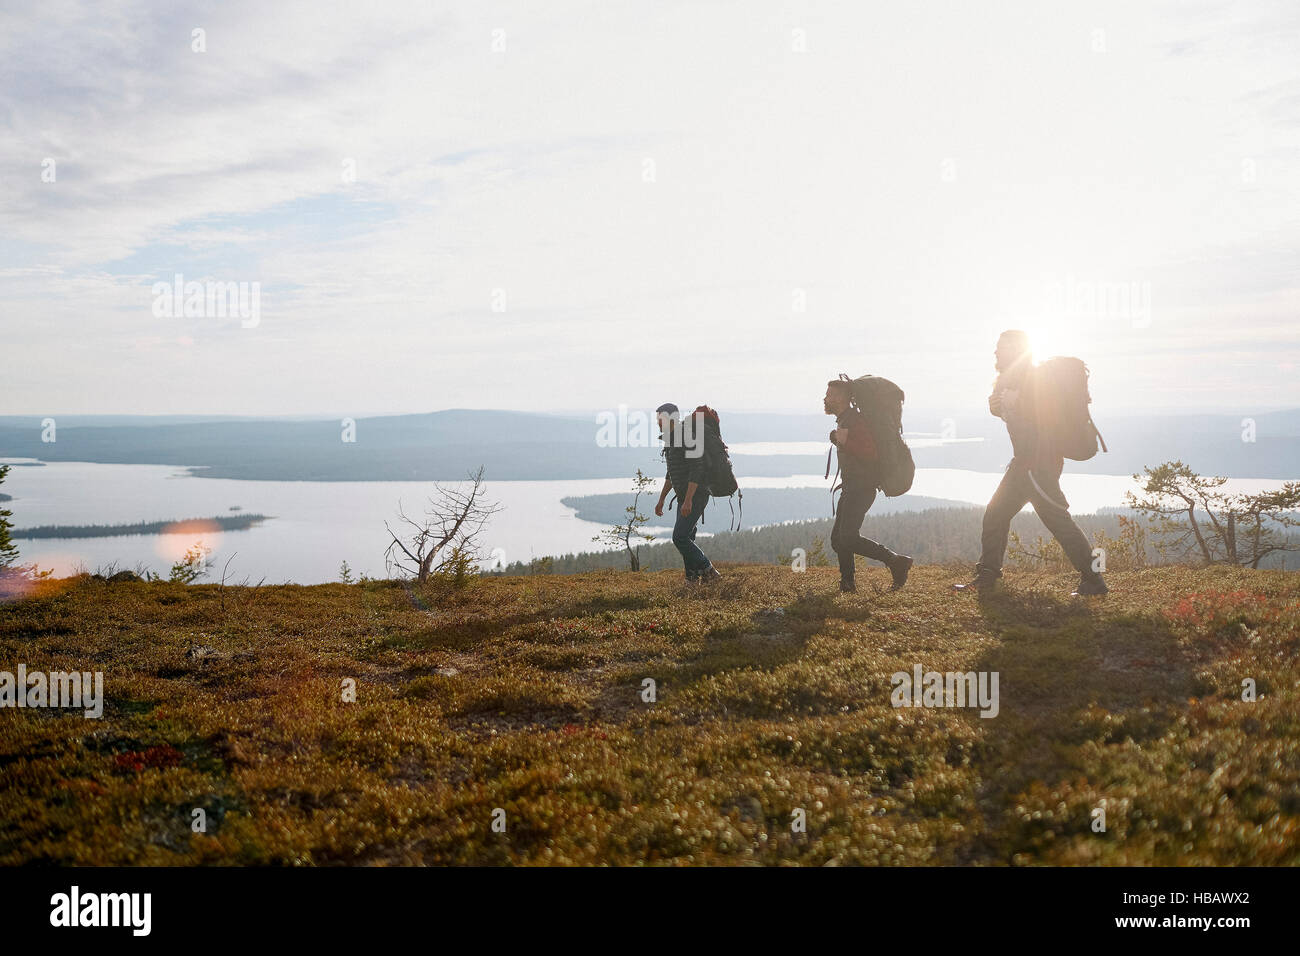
[773, 695]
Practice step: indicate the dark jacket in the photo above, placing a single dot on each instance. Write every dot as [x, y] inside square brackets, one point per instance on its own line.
[857, 455]
[682, 469]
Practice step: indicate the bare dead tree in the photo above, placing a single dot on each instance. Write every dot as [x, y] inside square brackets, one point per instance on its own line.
[445, 537]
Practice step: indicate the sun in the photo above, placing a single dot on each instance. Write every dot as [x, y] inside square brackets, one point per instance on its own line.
[1046, 337]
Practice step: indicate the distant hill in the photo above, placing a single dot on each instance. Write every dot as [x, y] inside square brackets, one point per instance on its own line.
[510, 445]
[187, 526]
[762, 506]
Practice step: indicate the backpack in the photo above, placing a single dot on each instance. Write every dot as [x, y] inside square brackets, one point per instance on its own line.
[881, 403]
[1061, 401]
[719, 477]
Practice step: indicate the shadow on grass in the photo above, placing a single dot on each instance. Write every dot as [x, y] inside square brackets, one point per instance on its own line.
[1059, 663]
[604, 603]
[1005, 607]
[772, 638]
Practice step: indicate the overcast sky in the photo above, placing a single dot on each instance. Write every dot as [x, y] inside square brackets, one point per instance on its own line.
[576, 206]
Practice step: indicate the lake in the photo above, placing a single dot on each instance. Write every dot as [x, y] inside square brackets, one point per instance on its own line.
[318, 525]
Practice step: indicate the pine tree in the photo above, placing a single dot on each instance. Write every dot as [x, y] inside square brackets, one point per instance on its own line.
[8, 551]
[622, 535]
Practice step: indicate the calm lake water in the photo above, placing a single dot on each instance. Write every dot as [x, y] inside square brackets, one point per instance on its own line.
[318, 525]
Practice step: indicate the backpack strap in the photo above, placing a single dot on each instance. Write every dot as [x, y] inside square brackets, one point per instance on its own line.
[1097, 432]
[844, 377]
[836, 484]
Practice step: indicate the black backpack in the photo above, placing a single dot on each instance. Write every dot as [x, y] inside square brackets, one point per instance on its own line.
[881, 403]
[719, 476]
[1061, 400]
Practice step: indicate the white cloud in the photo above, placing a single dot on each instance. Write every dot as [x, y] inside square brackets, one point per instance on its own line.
[1167, 159]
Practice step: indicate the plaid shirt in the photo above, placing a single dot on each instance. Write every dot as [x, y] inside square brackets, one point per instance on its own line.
[682, 469]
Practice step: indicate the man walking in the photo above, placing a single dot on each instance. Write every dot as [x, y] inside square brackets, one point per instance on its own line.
[1033, 477]
[684, 454]
[859, 475]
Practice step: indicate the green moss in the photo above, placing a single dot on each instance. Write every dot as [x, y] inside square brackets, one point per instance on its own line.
[525, 694]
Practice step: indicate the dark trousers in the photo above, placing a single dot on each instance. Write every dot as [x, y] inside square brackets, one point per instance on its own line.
[684, 535]
[1039, 486]
[846, 535]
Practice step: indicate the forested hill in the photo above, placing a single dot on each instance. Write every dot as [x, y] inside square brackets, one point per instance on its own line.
[758, 506]
[511, 445]
[935, 536]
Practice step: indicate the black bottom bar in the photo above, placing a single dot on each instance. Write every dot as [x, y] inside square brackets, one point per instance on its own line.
[925, 906]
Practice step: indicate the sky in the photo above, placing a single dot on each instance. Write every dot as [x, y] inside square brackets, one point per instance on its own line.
[569, 206]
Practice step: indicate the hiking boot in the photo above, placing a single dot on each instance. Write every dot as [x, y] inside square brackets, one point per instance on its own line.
[983, 583]
[1090, 584]
[898, 566]
[847, 586]
[709, 575]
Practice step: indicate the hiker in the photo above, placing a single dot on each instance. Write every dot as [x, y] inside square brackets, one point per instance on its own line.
[860, 474]
[686, 478]
[1033, 476]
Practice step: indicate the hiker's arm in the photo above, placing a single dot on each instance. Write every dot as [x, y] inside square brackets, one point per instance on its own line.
[1002, 400]
[685, 506]
[663, 494]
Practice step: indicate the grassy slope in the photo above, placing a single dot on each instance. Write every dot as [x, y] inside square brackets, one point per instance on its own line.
[524, 693]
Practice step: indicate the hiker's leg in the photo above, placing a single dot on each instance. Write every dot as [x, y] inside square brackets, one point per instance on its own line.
[863, 545]
[684, 539]
[699, 504]
[1054, 510]
[683, 533]
[844, 534]
[1010, 497]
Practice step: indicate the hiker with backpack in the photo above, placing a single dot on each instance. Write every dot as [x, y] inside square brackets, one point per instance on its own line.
[687, 478]
[862, 468]
[1045, 408]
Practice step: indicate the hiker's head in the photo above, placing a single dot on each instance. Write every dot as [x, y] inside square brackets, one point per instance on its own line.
[837, 397]
[667, 415]
[1013, 349]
